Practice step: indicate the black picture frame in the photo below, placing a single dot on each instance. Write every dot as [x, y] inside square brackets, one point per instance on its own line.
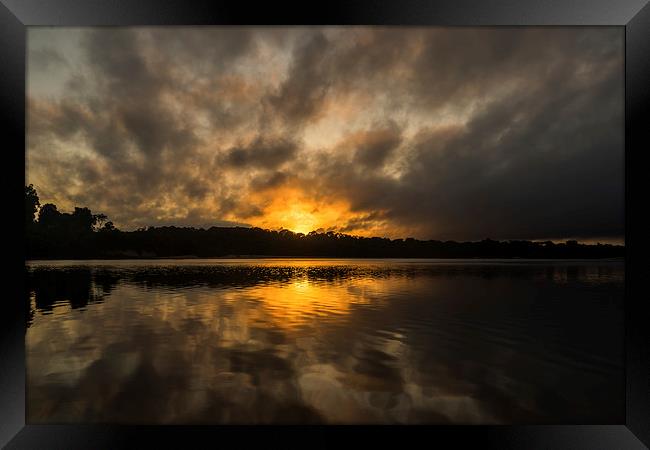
[633, 15]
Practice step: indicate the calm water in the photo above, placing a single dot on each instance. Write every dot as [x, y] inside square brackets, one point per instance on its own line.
[335, 341]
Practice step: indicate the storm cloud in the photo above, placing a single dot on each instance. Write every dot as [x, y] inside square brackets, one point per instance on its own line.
[434, 133]
[261, 153]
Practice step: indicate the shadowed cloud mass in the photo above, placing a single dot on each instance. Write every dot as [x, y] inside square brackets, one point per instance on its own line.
[434, 133]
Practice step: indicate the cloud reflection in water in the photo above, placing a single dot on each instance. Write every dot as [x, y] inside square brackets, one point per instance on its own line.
[338, 341]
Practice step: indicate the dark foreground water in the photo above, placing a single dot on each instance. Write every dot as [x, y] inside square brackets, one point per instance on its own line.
[335, 341]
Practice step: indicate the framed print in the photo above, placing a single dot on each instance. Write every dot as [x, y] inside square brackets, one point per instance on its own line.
[305, 224]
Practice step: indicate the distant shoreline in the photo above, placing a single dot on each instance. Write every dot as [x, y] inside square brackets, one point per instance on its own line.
[46, 241]
[192, 257]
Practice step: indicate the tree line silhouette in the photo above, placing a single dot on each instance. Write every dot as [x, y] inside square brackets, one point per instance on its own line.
[52, 234]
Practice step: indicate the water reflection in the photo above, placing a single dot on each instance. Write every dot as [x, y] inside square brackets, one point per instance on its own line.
[338, 341]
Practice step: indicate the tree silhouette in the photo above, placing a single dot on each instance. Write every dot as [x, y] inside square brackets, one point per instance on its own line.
[31, 204]
[98, 221]
[82, 234]
[108, 226]
[48, 215]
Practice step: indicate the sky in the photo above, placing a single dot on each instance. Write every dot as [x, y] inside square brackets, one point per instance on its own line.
[425, 132]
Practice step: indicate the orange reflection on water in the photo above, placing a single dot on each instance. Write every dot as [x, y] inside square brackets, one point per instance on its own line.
[302, 302]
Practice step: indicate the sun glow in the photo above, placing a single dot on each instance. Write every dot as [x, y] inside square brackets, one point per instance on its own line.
[292, 209]
[300, 221]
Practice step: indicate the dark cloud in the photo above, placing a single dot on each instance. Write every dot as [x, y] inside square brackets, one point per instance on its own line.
[542, 163]
[460, 133]
[265, 181]
[124, 118]
[301, 96]
[324, 68]
[261, 153]
[372, 148]
[360, 223]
